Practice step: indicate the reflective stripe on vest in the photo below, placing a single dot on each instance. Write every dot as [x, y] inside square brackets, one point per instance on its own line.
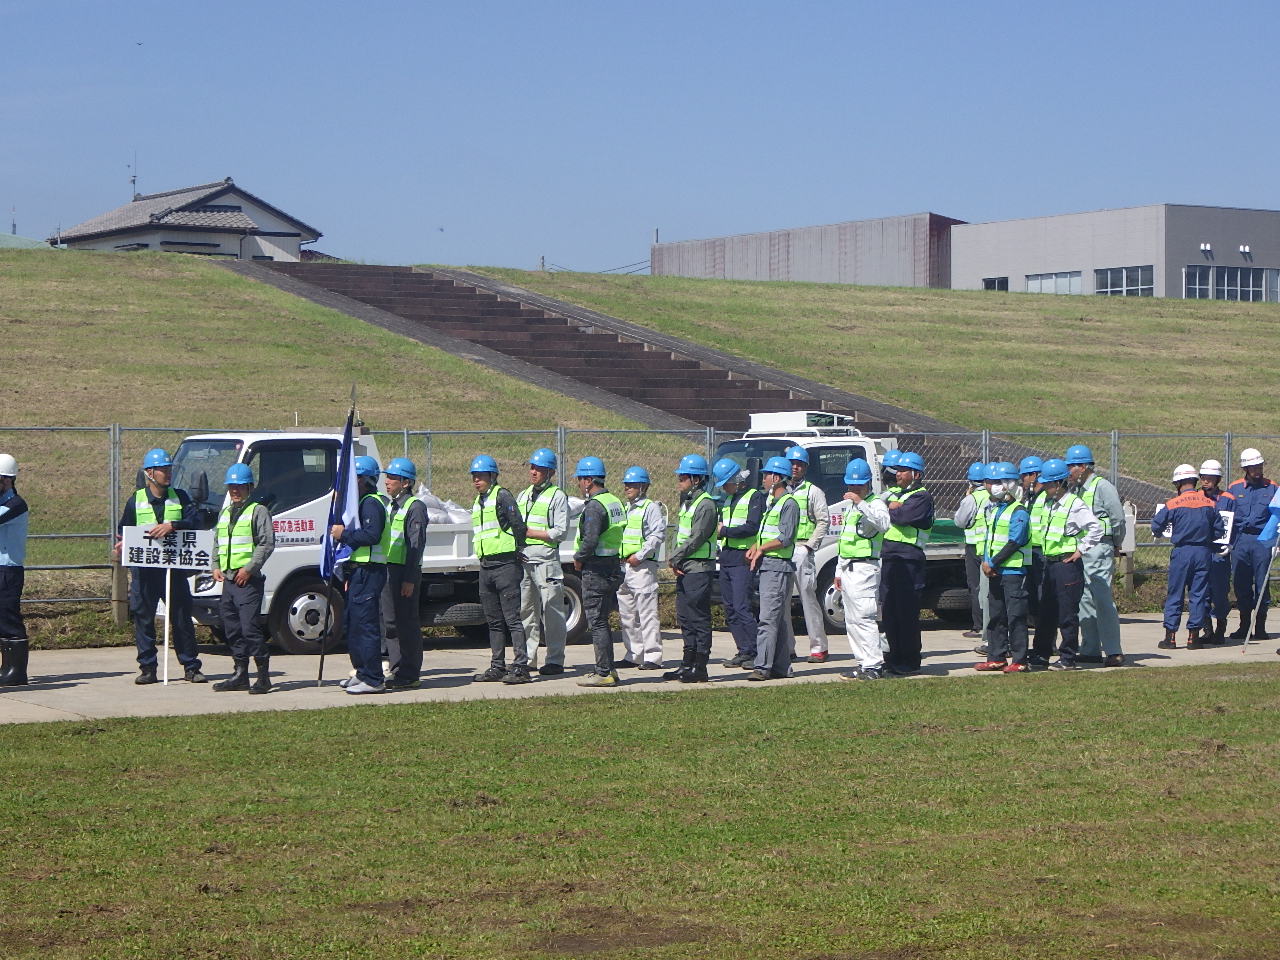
[490, 538]
[1087, 492]
[610, 542]
[378, 552]
[145, 516]
[976, 533]
[633, 532]
[1039, 517]
[685, 529]
[905, 533]
[854, 545]
[1057, 542]
[806, 526]
[769, 529]
[235, 545]
[396, 547]
[998, 536]
[736, 517]
[536, 511]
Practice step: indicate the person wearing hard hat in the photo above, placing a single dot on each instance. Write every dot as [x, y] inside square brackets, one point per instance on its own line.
[1099, 618]
[366, 575]
[642, 539]
[858, 568]
[1006, 554]
[889, 470]
[771, 557]
[407, 523]
[498, 529]
[161, 509]
[694, 563]
[1032, 497]
[546, 516]
[601, 526]
[815, 518]
[971, 518]
[14, 518]
[1220, 562]
[1193, 522]
[902, 564]
[740, 518]
[242, 540]
[1070, 530]
[1251, 561]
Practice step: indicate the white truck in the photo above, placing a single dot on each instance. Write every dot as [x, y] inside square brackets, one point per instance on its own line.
[832, 440]
[294, 473]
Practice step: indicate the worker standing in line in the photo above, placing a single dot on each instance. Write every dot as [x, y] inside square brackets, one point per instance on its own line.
[161, 509]
[642, 540]
[1032, 497]
[739, 523]
[815, 518]
[1070, 530]
[366, 575]
[1220, 562]
[14, 520]
[1250, 561]
[407, 521]
[600, 530]
[771, 556]
[902, 564]
[971, 518]
[1005, 557]
[1099, 618]
[889, 470]
[858, 568]
[499, 534]
[542, 610]
[242, 541]
[694, 563]
[1194, 523]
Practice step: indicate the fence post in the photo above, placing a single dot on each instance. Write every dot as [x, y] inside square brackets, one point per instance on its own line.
[1115, 457]
[428, 458]
[119, 580]
[406, 443]
[562, 444]
[711, 444]
[986, 446]
[1226, 454]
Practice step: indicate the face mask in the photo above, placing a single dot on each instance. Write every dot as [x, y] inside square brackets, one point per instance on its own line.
[997, 491]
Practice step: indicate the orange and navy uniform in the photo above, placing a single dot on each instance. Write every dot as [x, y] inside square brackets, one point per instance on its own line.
[1250, 503]
[1193, 517]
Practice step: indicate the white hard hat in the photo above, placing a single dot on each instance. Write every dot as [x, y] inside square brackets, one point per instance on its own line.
[8, 466]
[1211, 468]
[1184, 471]
[1250, 457]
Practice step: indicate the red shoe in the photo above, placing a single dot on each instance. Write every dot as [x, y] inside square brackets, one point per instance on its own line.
[1017, 668]
[990, 666]
[819, 657]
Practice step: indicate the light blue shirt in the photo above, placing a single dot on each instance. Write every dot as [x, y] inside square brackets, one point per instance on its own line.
[13, 534]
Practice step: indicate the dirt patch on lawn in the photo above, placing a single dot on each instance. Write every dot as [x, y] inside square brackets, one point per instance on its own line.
[592, 929]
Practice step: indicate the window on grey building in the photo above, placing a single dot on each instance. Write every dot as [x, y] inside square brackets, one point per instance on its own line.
[1064, 282]
[1125, 281]
[1195, 282]
[1237, 283]
[995, 283]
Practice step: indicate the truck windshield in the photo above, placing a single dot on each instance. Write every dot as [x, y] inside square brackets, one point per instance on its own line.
[199, 468]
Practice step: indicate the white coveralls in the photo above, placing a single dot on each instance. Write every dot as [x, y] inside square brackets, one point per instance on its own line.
[638, 595]
[860, 586]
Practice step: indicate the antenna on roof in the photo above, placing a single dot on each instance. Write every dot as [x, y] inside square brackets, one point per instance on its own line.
[133, 178]
[13, 220]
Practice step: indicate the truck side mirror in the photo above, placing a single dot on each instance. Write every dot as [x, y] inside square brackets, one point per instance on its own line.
[200, 488]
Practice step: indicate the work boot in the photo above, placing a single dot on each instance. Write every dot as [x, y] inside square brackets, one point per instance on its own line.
[1242, 631]
[1193, 640]
[1259, 627]
[686, 664]
[263, 683]
[6, 659]
[697, 672]
[1169, 642]
[16, 674]
[239, 679]
[1219, 634]
[145, 676]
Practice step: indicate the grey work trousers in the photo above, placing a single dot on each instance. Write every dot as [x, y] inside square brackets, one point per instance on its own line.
[1099, 618]
[542, 610]
[775, 641]
[500, 598]
[807, 585]
[402, 624]
[601, 579]
[239, 609]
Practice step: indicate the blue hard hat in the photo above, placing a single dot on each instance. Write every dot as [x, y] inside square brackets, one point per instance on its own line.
[779, 465]
[402, 467]
[157, 457]
[483, 463]
[1078, 454]
[543, 457]
[1001, 470]
[239, 473]
[636, 475]
[590, 467]
[367, 467]
[1030, 465]
[911, 461]
[891, 459]
[726, 469]
[695, 465]
[976, 470]
[1052, 470]
[857, 471]
[798, 453]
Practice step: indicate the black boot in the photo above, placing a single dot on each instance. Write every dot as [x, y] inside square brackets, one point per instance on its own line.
[697, 672]
[16, 674]
[1219, 633]
[686, 664]
[1168, 643]
[239, 679]
[6, 660]
[1242, 631]
[263, 683]
[1193, 640]
[1260, 626]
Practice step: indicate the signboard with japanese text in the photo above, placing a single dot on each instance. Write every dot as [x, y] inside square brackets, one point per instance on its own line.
[180, 550]
[299, 530]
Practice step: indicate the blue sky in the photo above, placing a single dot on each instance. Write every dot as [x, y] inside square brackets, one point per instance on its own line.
[494, 132]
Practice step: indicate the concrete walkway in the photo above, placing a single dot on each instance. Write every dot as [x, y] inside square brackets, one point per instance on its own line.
[92, 684]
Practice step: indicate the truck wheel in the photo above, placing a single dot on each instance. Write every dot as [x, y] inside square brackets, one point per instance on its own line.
[953, 605]
[830, 599]
[297, 617]
[575, 616]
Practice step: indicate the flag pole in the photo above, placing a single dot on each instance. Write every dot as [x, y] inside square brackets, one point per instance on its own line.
[328, 584]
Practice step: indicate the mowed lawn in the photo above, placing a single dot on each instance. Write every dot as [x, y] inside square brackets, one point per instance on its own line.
[1125, 814]
[998, 361]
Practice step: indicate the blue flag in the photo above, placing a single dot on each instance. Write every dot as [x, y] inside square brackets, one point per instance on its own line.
[345, 506]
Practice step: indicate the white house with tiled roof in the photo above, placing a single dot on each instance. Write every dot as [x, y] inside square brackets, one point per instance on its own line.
[211, 220]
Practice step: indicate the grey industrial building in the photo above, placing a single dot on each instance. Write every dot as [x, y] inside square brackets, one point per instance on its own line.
[1161, 250]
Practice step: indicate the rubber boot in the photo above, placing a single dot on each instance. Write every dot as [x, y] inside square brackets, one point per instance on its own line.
[239, 679]
[6, 660]
[1242, 631]
[1168, 643]
[697, 672]
[1219, 634]
[686, 664]
[1193, 640]
[16, 675]
[1260, 626]
[263, 683]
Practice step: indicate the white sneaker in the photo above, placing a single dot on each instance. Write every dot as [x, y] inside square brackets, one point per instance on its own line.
[359, 686]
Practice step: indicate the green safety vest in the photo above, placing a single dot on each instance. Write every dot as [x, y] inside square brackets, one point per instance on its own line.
[1056, 541]
[633, 532]
[905, 533]
[1087, 492]
[378, 552]
[736, 517]
[610, 542]
[396, 547]
[976, 532]
[804, 530]
[854, 545]
[1038, 510]
[685, 528]
[536, 509]
[998, 536]
[490, 538]
[769, 528]
[145, 516]
[235, 544]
